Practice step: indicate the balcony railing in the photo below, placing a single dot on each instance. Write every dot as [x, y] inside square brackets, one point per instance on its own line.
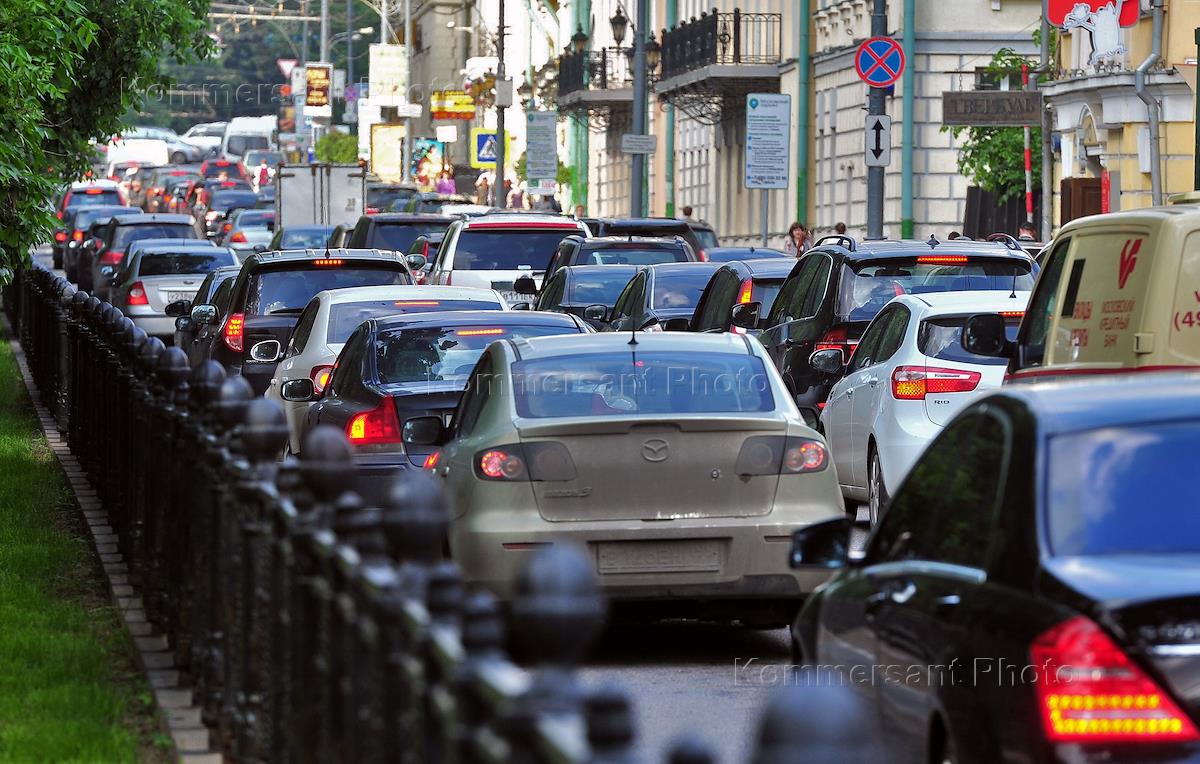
[722, 38]
[604, 69]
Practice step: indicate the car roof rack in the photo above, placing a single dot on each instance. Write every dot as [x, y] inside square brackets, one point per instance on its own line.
[1007, 240]
[840, 239]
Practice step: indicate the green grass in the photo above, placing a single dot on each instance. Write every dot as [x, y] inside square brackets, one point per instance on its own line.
[69, 691]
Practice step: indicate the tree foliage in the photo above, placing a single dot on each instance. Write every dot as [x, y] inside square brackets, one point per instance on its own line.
[337, 147]
[565, 176]
[72, 70]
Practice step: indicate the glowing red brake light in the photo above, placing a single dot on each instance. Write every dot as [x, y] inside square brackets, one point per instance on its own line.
[942, 259]
[1090, 691]
[320, 377]
[77, 236]
[94, 191]
[498, 464]
[702, 256]
[835, 339]
[913, 383]
[1012, 313]
[477, 332]
[432, 460]
[238, 238]
[375, 427]
[137, 295]
[804, 456]
[233, 332]
[747, 292]
[416, 303]
[60, 236]
[371, 211]
[111, 257]
[327, 262]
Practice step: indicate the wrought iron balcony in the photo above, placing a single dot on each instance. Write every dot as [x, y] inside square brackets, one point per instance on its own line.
[596, 83]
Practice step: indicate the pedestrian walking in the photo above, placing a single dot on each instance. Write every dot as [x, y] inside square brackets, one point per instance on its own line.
[483, 189]
[580, 212]
[1025, 232]
[516, 196]
[137, 197]
[445, 182]
[839, 228]
[687, 213]
[264, 175]
[799, 239]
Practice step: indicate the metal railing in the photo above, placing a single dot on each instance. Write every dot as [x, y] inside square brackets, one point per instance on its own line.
[722, 38]
[604, 69]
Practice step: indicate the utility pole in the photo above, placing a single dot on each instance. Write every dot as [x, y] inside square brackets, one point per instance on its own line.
[349, 44]
[876, 104]
[318, 132]
[640, 88]
[1047, 140]
[502, 100]
[1196, 152]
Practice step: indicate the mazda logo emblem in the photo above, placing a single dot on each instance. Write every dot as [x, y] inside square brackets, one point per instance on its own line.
[656, 450]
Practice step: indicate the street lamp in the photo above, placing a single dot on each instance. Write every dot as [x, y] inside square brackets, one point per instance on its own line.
[579, 40]
[620, 24]
[653, 55]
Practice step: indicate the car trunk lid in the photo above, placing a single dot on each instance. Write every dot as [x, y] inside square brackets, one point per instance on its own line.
[653, 468]
[417, 399]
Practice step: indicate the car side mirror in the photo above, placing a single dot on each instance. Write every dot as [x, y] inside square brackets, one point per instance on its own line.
[827, 362]
[260, 247]
[204, 314]
[985, 334]
[596, 313]
[822, 545]
[525, 285]
[676, 324]
[424, 431]
[745, 315]
[107, 271]
[415, 261]
[177, 309]
[183, 324]
[298, 391]
[520, 306]
[267, 351]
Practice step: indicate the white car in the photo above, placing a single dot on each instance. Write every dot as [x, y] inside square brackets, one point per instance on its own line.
[907, 379]
[329, 319]
[495, 251]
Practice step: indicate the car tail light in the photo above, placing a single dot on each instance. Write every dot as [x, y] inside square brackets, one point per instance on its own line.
[779, 455]
[234, 332]
[60, 236]
[94, 191]
[371, 210]
[211, 215]
[835, 339]
[942, 259]
[1089, 691]
[1012, 313]
[111, 257]
[59, 214]
[702, 256]
[478, 332]
[227, 228]
[327, 262]
[431, 461]
[378, 426]
[137, 294]
[540, 461]
[747, 292]
[77, 237]
[320, 377]
[913, 383]
[238, 238]
[501, 464]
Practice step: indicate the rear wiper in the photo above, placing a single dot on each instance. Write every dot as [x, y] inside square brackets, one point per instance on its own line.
[285, 311]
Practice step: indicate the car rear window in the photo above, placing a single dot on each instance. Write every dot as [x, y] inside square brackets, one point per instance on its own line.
[1124, 490]
[679, 290]
[400, 236]
[765, 293]
[127, 234]
[941, 338]
[175, 263]
[631, 383]
[507, 250]
[214, 169]
[257, 220]
[345, 317]
[226, 200]
[706, 239]
[240, 144]
[598, 288]
[382, 197]
[868, 286]
[431, 354]
[94, 196]
[304, 239]
[632, 256]
[290, 289]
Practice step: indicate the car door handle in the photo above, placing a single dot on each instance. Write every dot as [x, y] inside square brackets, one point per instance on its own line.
[873, 382]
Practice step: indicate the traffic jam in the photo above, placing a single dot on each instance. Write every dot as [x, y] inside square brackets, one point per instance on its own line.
[954, 471]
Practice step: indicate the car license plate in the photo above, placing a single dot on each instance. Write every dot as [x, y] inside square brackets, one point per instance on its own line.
[175, 296]
[512, 298]
[658, 556]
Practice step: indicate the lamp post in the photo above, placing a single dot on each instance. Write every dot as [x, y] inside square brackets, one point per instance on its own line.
[579, 40]
[640, 91]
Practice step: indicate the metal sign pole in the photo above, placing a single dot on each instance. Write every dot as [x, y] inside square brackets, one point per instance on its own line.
[640, 86]
[876, 103]
[406, 172]
[766, 216]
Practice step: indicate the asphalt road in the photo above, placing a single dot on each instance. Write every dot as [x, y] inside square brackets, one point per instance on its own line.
[705, 680]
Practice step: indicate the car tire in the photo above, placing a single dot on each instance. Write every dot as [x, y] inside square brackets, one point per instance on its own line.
[877, 494]
[179, 158]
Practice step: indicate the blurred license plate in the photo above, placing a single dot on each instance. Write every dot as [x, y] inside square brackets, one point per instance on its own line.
[658, 556]
[512, 298]
[173, 296]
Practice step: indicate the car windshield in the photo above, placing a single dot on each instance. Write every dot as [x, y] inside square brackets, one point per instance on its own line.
[304, 238]
[383, 197]
[433, 354]
[240, 144]
[597, 288]
[177, 263]
[941, 338]
[632, 382]
[507, 250]
[228, 200]
[1124, 490]
[865, 291]
[631, 256]
[290, 289]
[344, 318]
[94, 196]
[400, 236]
[679, 290]
[127, 234]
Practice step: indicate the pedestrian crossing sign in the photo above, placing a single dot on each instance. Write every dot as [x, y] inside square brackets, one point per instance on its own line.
[484, 149]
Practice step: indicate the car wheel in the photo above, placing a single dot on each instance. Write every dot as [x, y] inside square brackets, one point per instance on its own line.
[179, 158]
[877, 495]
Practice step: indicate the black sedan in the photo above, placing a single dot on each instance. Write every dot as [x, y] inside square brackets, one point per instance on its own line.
[396, 368]
[660, 297]
[753, 283]
[587, 291]
[1032, 592]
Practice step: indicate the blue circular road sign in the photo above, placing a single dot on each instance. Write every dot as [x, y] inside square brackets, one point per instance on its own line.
[879, 61]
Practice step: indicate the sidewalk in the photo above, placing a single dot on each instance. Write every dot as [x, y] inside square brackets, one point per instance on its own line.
[70, 689]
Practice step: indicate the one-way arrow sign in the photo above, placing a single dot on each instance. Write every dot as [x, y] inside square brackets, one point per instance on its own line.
[878, 141]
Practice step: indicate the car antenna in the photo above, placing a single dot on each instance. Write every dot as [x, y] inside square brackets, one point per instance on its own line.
[1013, 296]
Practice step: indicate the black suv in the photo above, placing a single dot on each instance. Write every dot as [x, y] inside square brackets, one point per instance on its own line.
[248, 334]
[619, 250]
[98, 258]
[699, 235]
[394, 231]
[742, 282]
[839, 285]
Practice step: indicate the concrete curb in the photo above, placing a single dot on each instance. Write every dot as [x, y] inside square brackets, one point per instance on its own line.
[172, 689]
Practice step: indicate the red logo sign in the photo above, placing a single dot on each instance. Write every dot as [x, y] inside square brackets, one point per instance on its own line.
[1128, 261]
